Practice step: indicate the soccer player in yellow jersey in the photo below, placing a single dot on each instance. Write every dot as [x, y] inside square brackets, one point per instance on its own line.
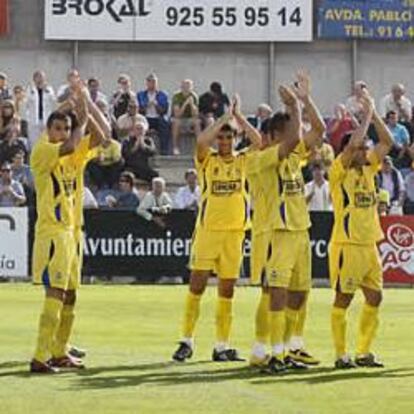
[286, 264]
[55, 159]
[222, 220]
[354, 261]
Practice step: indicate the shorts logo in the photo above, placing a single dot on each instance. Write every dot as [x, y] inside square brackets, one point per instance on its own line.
[58, 276]
[350, 284]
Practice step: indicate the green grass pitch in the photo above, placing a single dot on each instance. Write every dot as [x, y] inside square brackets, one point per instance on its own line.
[130, 333]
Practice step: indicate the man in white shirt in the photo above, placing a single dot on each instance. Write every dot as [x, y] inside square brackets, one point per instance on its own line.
[317, 192]
[188, 197]
[397, 101]
[132, 117]
[353, 104]
[156, 203]
[39, 104]
[391, 179]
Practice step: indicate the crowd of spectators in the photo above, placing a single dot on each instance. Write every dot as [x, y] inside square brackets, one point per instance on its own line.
[147, 122]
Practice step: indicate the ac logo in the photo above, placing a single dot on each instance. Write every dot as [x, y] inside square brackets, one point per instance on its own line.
[117, 9]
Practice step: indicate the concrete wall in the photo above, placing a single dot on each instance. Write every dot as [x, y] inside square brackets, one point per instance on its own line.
[242, 68]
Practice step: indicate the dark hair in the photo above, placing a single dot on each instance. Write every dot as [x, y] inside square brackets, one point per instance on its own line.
[389, 113]
[228, 128]
[128, 176]
[278, 122]
[317, 166]
[345, 141]
[91, 80]
[216, 88]
[56, 116]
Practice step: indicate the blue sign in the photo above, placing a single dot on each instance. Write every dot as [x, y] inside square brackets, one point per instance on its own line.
[366, 19]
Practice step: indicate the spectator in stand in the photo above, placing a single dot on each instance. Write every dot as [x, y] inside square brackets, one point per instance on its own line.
[21, 171]
[142, 188]
[104, 170]
[397, 102]
[185, 112]
[353, 105]
[122, 96]
[263, 113]
[318, 196]
[153, 104]
[156, 203]
[383, 203]
[390, 179]
[322, 153]
[127, 198]
[11, 191]
[66, 90]
[19, 99]
[342, 123]
[188, 197]
[94, 91]
[409, 187]
[401, 136]
[4, 90]
[126, 122]
[12, 143]
[89, 200]
[40, 103]
[8, 117]
[137, 150]
[213, 104]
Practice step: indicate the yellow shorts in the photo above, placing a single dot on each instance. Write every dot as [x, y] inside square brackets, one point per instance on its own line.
[218, 251]
[354, 265]
[77, 262]
[53, 258]
[259, 255]
[290, 261]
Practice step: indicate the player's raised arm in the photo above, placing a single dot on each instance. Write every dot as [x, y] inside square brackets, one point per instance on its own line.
[358, 136]
[252, 133]
[385, 137]
[99, 121]
[294, 125]
[207, 137]
[303, 91]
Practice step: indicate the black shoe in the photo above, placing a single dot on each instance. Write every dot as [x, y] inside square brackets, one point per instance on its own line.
[369, 361]
[183, 352]
[292, 364]
[77, 352]
[345, 363]
[275, 366]
[226, 355]
[37, 367]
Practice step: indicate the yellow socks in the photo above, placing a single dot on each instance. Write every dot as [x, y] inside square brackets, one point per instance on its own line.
[64, 331]
[291, 321]
[300, 321]
[338, 325]
[224, 318]
[277, 322]
[48, 326]
[262, 319]
[368, 325]
[191, 314]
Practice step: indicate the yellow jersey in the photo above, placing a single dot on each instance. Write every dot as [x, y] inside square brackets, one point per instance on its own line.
[283, 189]
[75, 165]
[224, 204]
[54, 189]
[355, 202]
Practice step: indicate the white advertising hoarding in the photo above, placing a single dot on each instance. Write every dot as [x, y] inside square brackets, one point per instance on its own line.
[179, 20]
[14, 250]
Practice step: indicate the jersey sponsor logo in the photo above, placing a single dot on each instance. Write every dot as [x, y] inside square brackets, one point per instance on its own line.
[365, 199]
[69, 187]
[293, 187]
[224, 188]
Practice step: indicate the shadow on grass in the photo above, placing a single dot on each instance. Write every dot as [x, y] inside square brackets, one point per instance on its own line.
[311, 376]
[12, 364]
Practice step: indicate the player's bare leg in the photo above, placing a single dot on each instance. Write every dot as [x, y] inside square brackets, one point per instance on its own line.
[338, 326]
[368, 325]
[198, 284]
[297, 308]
